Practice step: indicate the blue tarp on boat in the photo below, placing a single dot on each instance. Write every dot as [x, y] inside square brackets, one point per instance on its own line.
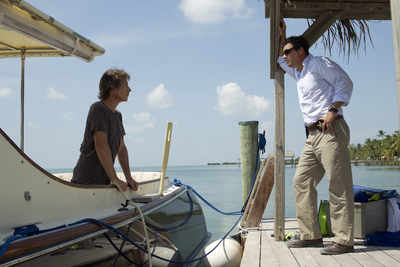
[385, 238]
[362, 194]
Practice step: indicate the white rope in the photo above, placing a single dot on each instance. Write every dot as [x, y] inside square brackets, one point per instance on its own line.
[143, 222]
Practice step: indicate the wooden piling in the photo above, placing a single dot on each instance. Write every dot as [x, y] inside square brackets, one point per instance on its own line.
[394, 7]
[248, 149]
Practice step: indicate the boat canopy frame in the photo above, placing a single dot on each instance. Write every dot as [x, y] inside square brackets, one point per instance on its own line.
[25, 31]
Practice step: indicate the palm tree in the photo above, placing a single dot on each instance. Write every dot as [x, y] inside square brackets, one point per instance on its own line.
[394, 149]
[381, 134]
[370, 147]
[352, 151]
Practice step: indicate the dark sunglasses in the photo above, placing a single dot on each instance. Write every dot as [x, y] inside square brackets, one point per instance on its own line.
[287, 51]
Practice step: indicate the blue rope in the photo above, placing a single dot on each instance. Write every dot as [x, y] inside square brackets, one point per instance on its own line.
[177, 182]
[261, 146]
[33, 229]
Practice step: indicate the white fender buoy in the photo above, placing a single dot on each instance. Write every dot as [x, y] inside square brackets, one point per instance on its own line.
[227, 254]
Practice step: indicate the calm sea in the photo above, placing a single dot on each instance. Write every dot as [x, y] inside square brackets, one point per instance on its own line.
[221, 185]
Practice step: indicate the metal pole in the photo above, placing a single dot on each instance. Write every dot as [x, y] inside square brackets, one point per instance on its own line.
[22, 96]
[248, 150]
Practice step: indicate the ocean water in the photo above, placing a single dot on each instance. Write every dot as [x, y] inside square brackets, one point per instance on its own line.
[221, 186]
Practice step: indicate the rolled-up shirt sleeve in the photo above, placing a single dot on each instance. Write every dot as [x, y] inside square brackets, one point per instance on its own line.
[339, 79]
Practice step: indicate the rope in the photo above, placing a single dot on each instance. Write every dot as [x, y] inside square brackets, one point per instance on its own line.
[33, 229]
[261, 146]
[143, 221]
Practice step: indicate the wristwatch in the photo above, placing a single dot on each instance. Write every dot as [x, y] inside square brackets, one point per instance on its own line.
[332, 109]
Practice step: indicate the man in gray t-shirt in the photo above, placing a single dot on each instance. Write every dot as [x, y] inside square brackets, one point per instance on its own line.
[103, 138]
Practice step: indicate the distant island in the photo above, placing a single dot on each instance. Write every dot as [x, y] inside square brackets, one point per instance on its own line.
[224, 163]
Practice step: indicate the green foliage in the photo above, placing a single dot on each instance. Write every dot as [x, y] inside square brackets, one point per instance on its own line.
[387, 146]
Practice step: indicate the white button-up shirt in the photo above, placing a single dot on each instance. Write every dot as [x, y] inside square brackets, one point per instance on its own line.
[320, 83]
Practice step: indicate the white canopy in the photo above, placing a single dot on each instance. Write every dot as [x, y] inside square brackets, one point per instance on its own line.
[26, 30]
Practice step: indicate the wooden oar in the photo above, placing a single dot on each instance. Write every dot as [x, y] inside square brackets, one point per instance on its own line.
[167, 144]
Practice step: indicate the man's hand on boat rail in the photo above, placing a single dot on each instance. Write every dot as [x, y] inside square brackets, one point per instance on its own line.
[132, 184]
[121, 184]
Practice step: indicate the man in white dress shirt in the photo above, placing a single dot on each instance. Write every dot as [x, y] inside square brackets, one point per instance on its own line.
[323, 89]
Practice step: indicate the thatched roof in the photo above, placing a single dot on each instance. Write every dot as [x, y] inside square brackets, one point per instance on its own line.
[342, 22]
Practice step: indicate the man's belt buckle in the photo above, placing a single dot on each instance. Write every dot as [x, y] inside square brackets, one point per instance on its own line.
[319, 124]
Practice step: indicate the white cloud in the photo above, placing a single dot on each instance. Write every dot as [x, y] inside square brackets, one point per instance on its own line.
[54, 94]
[233, 102]
[30, 124]
[267, 126]
[159, 98]
[143, 121]
[214, 11]
[6, 92]
[68, 115]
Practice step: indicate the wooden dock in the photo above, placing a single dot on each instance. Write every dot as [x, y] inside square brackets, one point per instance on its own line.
[261, 249]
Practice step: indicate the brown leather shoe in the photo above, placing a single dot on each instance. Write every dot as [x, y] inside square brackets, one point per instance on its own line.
[336, 248]
[305, 243]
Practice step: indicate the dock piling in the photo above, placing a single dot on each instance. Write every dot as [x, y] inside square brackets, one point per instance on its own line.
[248, 149]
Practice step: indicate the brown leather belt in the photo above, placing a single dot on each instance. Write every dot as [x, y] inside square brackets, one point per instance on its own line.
[316, 126]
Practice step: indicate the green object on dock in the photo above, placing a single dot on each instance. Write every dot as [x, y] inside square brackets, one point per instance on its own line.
[375, 197]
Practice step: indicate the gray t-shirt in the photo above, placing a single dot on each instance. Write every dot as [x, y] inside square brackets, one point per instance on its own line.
[88, 169]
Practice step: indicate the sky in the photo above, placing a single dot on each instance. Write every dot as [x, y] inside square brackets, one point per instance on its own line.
[201, 64]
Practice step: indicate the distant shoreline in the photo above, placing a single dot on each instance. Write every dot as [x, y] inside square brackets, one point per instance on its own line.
[224, 163]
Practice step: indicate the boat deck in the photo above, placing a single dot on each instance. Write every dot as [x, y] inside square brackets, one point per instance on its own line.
[261, 249]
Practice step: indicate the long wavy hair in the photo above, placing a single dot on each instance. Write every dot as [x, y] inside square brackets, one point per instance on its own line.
[111, 79]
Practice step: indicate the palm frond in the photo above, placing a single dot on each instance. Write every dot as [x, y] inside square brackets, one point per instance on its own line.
[349, 35]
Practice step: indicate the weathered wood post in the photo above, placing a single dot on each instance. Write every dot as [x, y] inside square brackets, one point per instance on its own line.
[394, 8]
[278, 75]
[248, 131]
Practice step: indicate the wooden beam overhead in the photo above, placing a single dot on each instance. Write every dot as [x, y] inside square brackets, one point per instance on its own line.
[321, 25]
[363, 10]
[318, 6]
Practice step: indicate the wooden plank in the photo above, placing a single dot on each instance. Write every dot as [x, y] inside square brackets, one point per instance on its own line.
[395, 7]
[363, 258]
[262, 195]
[251, 254]
[332, 6]
[363, 15]
[379, 256]
[321, 25]
[267, 255]
[275, 253]
[346, 260]
[146, 198]
[249, 206]
[282, 253]
[392, 252]
[323, 260]
[292, 226]
[304, 257]
[279, 205]
[367, 10]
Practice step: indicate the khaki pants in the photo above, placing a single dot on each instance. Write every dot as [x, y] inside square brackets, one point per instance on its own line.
[326, 152]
